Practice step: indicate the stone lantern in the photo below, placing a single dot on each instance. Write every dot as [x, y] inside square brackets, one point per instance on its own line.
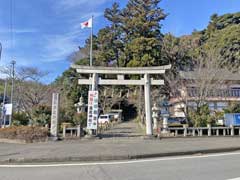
[165, 115]
[155, 115]
[80, 105]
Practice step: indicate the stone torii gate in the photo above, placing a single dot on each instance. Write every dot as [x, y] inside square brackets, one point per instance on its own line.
[145, 72]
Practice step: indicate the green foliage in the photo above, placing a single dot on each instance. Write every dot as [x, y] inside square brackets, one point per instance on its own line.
[141, 33]
[222, 34]
[177, 52]
[1, 85]
[68, 83]
[80, 119]
[133, 37]
[219, 115]
[221, 22]
[70, 94]
[233, 108]
[41, 115]
[20, 119]
[227, 40]
[201, 117]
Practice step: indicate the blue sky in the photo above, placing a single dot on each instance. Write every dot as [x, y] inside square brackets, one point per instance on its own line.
[46, 32]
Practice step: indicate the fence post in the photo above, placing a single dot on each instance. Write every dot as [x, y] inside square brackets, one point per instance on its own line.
[176, 132]
[232, 130]
[193, 131]
[224, 132]
[64, 130]
[200, 132]
[185, 130]
[217, 132]
[209, 130]
[78, 131]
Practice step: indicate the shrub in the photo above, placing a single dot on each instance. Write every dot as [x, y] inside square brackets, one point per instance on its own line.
[202, 116]
[41, 115]
[233, 108]
[20, 119]
[80, 119]
[25, 133]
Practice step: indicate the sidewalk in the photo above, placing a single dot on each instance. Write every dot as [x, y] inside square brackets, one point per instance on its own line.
[120, 148]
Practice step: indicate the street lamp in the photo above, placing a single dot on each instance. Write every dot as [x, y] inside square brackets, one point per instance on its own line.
[2, 122]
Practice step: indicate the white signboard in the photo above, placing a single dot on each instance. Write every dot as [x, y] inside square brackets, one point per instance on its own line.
[8, 109]
[92, 118]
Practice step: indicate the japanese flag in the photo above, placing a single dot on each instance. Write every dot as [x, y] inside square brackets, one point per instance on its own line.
[87, 24]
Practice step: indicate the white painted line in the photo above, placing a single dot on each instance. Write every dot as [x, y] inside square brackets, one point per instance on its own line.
[119, 162]
[235, 179]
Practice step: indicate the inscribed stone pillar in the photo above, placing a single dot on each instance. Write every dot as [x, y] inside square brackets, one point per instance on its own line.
[55, 116]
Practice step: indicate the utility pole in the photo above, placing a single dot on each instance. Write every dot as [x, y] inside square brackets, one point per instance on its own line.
[4, 96]
[3, 117]
[12, 89]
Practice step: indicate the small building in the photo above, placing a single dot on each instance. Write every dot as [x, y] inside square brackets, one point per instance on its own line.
[217, 88]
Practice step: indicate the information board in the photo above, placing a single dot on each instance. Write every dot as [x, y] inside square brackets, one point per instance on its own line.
[7, 109]
[92, 118]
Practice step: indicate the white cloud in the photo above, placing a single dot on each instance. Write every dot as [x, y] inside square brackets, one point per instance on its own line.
[9, 40]
[18, 31]
[51, 45]
[59, 47]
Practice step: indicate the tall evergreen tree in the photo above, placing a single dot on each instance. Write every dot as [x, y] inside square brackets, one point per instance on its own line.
[134, 37]
[142, 35]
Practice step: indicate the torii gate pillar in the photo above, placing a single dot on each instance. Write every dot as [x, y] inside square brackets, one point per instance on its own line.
[148, 110]
[94, 80]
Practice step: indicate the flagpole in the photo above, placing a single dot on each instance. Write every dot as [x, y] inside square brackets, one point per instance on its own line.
[92, 87]
[91, 45]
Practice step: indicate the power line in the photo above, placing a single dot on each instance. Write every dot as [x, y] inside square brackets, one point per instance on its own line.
[11, 23]
[0, 50]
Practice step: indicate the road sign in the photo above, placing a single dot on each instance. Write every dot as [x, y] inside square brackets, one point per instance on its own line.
[92, 118]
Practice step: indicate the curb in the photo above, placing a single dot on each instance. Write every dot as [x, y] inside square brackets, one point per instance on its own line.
[115, 158]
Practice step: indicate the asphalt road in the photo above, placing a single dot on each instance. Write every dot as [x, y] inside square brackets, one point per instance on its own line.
[207, 167]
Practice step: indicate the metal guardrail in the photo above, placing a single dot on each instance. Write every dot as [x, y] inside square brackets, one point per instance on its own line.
[208, 131]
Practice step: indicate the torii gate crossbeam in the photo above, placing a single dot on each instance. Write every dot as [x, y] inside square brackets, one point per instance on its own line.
[94, 80]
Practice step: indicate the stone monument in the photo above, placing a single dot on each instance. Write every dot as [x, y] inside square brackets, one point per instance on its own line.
[55, 116]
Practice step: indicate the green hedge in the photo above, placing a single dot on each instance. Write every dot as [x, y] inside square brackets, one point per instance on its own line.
[25, 133]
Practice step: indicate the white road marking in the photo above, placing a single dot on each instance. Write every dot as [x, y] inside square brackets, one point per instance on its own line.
[118, 162]
[235, 179]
